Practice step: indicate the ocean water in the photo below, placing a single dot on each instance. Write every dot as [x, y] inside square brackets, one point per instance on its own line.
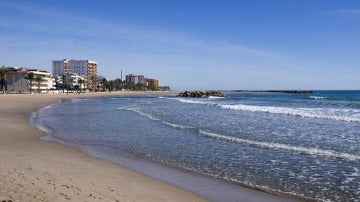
[306, 145]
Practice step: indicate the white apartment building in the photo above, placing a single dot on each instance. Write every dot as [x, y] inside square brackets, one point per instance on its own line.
[16, 82]
[47, 82]
[86, 68]
[72, 80]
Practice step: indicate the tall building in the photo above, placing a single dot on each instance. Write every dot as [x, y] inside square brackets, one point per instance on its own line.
[85, 68]
[60, 67]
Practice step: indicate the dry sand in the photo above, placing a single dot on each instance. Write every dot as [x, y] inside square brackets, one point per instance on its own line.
[35, 170]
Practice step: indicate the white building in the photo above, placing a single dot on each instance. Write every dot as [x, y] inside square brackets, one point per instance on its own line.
[86, 68]
[72, 80]
[47, 82]
[16, 82]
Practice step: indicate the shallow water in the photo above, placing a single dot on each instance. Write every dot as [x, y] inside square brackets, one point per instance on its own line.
[303, 144]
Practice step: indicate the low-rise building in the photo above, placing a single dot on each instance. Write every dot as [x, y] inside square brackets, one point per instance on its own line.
[71, 81]
[17, 82]
[136, 79]
[139, 82]
[153, 84]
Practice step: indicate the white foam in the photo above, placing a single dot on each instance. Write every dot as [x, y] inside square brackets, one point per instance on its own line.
[317, 97]
[349, 115]
[291, 148]
[215, 97]
[156, 119]
[192, 101]
[139, 112]
[178, 126]
[42, 128]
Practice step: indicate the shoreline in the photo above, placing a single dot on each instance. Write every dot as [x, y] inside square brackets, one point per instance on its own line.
[41, 170]
[32, 169]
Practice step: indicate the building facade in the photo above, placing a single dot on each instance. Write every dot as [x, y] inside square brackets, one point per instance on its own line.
[153, 84]
[136, 79]
[60, 67]
[47, 83]
[17, 83]
[71, 81]
[85, 68]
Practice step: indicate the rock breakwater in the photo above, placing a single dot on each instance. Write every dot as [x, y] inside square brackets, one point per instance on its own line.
[201, 94]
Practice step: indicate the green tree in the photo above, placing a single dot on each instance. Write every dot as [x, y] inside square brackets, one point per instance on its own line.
[38, 79]
[118, 84]
[4, 72]
[80, 82]
[31, 78]
[93, 80]
[64, 78]
[105, 84]
[111, 85]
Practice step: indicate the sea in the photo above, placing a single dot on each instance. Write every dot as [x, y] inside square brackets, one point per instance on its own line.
[301, 145]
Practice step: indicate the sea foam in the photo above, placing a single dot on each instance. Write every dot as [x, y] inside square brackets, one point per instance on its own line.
[278, 146]
[266, 145]
[349, 115]
[140, 112]
[193, 101]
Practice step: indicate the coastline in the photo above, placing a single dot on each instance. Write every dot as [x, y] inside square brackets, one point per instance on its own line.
[37, 170]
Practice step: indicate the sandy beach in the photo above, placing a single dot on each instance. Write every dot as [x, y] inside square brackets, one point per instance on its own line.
[35, 170]
[32, 169]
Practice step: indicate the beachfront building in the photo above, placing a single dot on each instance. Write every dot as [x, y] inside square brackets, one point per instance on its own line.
[84, 68]
[78, 81]
[152, 84]
[71, 81]
[17, 83]
[60, 67]
[136, 79]
[139, 82]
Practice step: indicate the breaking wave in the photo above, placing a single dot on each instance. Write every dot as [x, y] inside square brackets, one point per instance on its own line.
[278, 146]
[192, 101]
[139, 112]
[317, 97]
[266, 145]
[349, 115]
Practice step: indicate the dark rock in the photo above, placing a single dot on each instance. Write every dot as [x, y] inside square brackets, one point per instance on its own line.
[201, 94]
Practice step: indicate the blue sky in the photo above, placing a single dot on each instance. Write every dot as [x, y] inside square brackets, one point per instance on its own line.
[197, 44]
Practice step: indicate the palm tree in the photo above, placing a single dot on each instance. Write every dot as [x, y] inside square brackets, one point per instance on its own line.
[111, 85]
[80, 82]
[104, 83]
[31, 78]
[93, 79]
[119, 84]
[38, 79]
[3, 74]
[64, 78]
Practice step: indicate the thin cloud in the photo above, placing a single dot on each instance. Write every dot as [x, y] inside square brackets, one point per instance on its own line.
[74, 25]
[349, 12]
[79, 31]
